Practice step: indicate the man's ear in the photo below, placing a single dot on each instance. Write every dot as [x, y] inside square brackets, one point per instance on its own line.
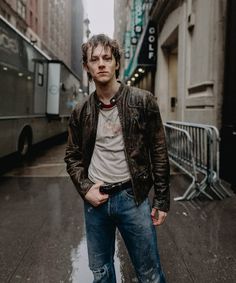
[86, 67]
[117, 66]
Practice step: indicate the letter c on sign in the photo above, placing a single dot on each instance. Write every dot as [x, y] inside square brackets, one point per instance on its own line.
[151, 30]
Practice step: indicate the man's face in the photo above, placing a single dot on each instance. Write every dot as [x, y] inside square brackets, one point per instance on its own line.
[101, 64]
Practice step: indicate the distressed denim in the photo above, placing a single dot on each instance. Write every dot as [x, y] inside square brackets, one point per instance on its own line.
[136, 228]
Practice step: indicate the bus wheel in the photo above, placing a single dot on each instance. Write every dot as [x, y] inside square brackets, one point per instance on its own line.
[25, 143]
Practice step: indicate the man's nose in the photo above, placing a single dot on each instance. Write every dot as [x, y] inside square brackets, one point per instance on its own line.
[101, 62]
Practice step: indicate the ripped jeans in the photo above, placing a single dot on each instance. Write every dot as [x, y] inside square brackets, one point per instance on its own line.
[136, 228]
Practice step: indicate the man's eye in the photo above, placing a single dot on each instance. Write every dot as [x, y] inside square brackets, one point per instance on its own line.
[107, 58]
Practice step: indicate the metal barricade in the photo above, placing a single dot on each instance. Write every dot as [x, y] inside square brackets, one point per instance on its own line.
[205, 149]
[180, 152]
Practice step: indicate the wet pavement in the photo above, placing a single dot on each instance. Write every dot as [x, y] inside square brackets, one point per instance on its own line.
[42, 235]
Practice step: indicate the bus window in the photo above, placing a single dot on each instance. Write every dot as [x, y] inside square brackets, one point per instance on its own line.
[40, 74]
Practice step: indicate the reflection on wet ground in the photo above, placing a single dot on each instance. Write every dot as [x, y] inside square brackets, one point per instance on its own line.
[42, 232]
[79, 260]
[42, 235]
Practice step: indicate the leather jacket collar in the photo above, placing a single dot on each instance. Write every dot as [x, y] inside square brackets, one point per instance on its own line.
[113, 100]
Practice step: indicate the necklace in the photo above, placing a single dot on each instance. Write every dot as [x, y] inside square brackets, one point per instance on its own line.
[109, 116]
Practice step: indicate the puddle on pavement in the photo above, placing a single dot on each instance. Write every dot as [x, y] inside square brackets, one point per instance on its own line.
[80, 270]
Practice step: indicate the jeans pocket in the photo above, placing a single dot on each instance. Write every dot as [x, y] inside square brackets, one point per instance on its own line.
[129, 192]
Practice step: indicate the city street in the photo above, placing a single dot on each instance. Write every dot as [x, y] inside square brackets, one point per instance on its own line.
[176, 61]
[42, 235]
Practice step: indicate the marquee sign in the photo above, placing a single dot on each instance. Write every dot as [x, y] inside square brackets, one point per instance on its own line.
[138, 17]
[127, 45]
[147, 54]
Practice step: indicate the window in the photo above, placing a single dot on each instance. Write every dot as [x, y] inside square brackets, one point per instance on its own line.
[36, 6]
[21, 8]
[36, 25]
[40, 74]
[31, 19]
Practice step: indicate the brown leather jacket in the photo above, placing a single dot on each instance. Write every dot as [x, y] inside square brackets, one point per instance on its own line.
[144, 142]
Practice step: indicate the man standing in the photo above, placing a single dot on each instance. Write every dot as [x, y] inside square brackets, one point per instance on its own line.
[116, 152]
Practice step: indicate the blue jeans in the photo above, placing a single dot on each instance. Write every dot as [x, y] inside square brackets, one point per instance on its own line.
[136, 228]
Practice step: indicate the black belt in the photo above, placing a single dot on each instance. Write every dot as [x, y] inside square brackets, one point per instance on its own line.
[110, 189]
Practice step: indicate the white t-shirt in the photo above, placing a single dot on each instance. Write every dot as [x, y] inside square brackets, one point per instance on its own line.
[108, 163]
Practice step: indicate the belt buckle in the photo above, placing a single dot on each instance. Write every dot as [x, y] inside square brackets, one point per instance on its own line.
[110, 188]
[114, 188]
[105, 189]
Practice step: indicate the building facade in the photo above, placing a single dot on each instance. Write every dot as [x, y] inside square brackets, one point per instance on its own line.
[77, 34]
[190, 59]
[192, 75]
[55, 26]
[56, 36]
[179, 45]
[34, 19]
[137, 35]
[14, 11]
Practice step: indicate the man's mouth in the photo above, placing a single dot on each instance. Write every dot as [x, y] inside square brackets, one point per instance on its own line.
[103, 72]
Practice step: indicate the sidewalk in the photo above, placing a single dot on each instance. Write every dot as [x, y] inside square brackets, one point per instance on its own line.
[197, 242]
[42, 234]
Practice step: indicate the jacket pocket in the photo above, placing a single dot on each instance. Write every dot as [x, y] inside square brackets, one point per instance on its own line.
[143, 182]
[143, 176]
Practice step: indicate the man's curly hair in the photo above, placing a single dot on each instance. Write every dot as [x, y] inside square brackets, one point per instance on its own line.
[105, 41]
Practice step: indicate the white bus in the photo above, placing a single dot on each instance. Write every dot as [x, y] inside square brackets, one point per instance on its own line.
[37, 94]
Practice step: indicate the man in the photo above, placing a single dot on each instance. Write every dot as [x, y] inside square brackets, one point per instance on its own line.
[116, 152]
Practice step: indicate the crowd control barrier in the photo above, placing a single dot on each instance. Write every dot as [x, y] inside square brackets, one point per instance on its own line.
[194, 148]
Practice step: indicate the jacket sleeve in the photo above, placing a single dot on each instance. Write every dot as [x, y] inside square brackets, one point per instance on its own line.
[74, 157]
[158, 155]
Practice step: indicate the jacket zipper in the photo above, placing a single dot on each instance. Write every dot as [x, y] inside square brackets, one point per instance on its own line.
[125, 143]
